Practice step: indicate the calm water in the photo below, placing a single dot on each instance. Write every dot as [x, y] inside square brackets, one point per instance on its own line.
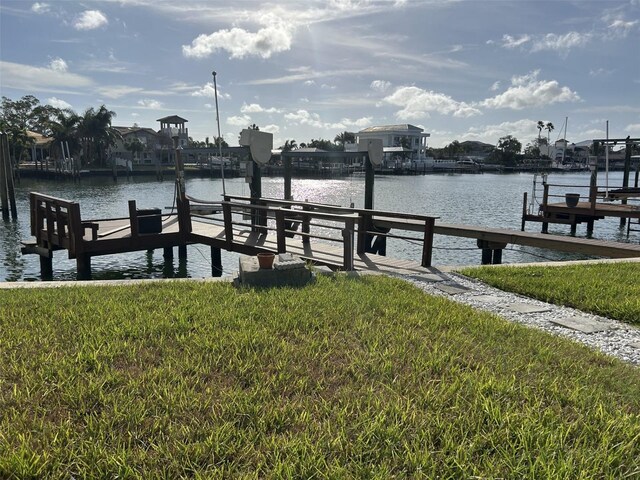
[484, 199]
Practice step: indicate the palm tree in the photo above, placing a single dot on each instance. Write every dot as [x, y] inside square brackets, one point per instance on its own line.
[289, 145]
[96, 133]
[540, 127]
[64, 130]
[549, 127]
[345, 137]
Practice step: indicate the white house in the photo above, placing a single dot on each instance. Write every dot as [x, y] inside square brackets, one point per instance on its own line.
[406, 141]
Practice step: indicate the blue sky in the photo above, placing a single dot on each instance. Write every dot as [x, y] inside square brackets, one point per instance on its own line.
[462, 70]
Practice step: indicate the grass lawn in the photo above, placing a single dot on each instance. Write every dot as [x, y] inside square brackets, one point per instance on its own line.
[366, 378]
[608, 289]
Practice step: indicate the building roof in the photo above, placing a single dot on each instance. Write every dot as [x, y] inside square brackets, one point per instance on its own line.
[39, 139]
[405, 127]
[129, 130]
[173, 119]
[308, 150]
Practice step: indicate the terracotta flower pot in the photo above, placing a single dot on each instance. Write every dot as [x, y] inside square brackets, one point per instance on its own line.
[266, 260]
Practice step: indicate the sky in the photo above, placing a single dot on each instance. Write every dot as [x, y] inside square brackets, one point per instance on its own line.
[302, 70]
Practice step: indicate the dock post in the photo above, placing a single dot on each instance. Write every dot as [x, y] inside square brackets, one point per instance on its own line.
[497, 256]
[4, 195]
[427, 242]
[625, 176]
[590, 227]
[491, 252]
[524, 212]
[287, 176]
[83, 265]
[216, 262]
[182, 251]
[168, 252]
[545, 199]
[486, 256]
[46, 267]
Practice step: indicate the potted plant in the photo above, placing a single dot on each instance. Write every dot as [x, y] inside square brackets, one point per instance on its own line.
[571, 199]
[265, 260]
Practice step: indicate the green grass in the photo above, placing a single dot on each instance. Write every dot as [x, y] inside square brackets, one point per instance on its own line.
[347, 378]
[608, 289]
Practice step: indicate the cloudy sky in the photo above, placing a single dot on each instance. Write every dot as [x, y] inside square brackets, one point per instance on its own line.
[460, 69]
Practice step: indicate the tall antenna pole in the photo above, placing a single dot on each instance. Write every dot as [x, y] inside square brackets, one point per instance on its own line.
[215, 87]
[606, 163]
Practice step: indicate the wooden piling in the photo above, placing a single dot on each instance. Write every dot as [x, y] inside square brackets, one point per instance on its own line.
[524, 212]
[216, 262]
[4, 195]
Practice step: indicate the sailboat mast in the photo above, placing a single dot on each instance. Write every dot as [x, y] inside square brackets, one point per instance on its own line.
[564, 140]
[606, 163]
[215, 89]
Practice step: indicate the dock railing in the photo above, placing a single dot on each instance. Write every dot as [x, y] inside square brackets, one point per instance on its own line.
[373, 226]
[56, 224]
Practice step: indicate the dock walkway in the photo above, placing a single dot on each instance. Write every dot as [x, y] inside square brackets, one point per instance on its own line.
[338, 237]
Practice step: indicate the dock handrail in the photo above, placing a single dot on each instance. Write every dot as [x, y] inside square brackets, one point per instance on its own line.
[367, 221]
[56, 223]
[285, 217]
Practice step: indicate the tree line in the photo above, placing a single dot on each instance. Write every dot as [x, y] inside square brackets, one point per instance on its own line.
[87, 135]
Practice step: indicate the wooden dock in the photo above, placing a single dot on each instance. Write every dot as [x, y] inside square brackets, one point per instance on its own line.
[338, 237]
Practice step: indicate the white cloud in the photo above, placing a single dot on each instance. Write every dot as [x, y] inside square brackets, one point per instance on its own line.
[511, 42]
[90, 20]
[208, 90]
[621, 27]
[239, 121]
[273, 129]
[418, 103]
[561, 43]
[496, 86]
[117, 91]
[59, 65]
[600, 72]
[57, 103]
[527, 91]
[27, 77]
[240, 43]
[149, 103]
[256, 108]
[633, 129]
[40, 7]
[361, 122]
[304, 117]
[524, 130]
[308, 83]
[380, 86]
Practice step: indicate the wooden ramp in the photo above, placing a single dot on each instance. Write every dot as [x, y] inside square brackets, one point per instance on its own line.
[249, 243]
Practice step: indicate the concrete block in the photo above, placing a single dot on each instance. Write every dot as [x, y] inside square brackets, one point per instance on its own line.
[527, 308]
[582, 324]
[250, 274]
[488, 298]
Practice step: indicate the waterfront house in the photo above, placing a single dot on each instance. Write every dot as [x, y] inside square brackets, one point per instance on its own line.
[400, 143]
[146, 136]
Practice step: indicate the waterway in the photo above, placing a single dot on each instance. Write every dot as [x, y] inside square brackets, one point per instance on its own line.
[474, 199]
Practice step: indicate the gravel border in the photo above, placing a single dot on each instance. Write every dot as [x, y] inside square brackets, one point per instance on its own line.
[621, 341]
